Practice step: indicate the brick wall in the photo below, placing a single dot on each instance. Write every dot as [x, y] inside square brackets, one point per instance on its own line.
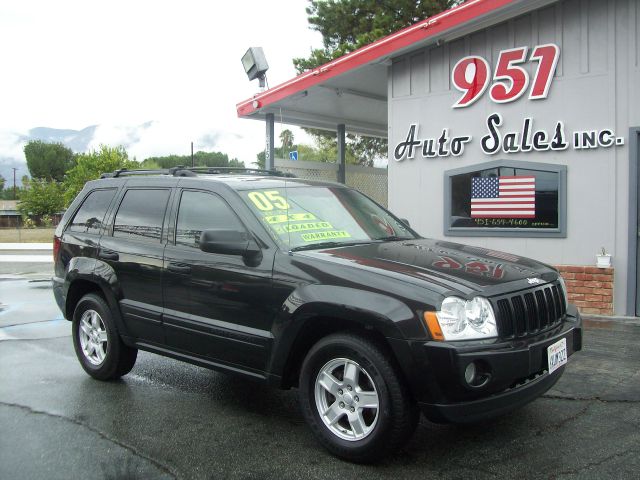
[589, 288]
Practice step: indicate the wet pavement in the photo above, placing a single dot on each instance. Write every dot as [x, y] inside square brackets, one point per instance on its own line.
[167, 419]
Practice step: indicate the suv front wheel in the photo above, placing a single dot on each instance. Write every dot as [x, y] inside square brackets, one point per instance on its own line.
[354, 399]
[97, 343]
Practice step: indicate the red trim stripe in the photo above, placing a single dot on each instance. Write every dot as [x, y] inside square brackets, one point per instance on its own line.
[436, 25]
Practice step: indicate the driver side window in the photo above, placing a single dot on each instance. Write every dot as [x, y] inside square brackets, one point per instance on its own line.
[200, 211]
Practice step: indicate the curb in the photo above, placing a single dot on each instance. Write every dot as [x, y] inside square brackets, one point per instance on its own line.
[612, 318]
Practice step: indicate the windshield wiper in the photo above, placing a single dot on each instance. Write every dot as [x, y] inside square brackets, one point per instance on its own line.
[392, 238]
[319, 245]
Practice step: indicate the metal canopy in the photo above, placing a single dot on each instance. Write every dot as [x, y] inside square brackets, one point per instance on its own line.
[352, 90]
[358, 100]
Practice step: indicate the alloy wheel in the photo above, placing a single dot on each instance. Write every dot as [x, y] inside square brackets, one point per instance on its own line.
[346, 399]
[93, 337]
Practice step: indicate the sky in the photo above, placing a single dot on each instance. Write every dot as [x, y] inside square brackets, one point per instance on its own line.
[156, 74]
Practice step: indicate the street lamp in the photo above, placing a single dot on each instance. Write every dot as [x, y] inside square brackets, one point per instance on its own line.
[255, 65]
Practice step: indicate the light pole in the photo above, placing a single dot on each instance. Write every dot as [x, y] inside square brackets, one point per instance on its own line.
[14, 182]
[256, 66]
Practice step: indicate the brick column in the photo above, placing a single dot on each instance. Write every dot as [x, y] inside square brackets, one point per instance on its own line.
[589, 288]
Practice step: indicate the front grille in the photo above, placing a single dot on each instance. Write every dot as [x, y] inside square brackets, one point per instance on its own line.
[530, 312]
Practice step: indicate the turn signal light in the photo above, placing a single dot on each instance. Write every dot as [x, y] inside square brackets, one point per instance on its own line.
[431, 319]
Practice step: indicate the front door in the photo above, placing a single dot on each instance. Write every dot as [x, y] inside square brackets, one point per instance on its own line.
[216, 306]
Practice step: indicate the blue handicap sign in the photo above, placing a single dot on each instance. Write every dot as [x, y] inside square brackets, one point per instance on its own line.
[293, 155]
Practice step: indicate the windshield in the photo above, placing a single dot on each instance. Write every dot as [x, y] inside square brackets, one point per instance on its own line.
[314, 217]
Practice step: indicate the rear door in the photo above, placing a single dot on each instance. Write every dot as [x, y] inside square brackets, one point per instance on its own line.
[81, 236]
[134, 249]
[216, 306]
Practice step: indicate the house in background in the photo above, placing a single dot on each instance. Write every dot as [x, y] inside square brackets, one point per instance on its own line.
[9, 215]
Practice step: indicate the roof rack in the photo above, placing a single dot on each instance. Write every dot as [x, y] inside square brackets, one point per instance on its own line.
[182, 171]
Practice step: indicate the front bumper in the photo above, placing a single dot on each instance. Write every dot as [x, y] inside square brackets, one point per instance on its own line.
[517, 373]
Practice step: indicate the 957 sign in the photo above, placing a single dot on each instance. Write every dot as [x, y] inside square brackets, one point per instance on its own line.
[472, 75]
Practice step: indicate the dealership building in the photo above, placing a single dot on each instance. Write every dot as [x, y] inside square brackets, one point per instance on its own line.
[512, 125]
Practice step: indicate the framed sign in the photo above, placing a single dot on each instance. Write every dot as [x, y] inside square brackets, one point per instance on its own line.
[506, 198]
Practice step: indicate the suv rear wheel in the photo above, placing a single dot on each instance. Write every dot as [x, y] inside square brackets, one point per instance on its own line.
[354, 399]
[97, 343]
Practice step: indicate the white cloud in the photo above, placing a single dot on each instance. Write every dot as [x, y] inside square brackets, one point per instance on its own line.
[11, 145]
[120, 64]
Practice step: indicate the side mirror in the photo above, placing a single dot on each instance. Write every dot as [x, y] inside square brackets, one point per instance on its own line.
[227, 242]
[406, 222]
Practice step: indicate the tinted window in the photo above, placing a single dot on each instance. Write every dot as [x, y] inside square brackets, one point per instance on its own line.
[89, 218]
[203, 211]
[141, 214]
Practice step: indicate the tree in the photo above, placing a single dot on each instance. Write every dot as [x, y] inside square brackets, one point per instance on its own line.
[201, 159]
[2, 182]
[89, 166]
[324, 151]
[43, 197]
[346, 25]
[48, 161]
[286, 139]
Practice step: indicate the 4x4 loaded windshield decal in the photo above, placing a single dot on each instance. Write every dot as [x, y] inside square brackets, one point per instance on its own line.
[292, 217]
[298, 227]
[275, 210]
[315, 236]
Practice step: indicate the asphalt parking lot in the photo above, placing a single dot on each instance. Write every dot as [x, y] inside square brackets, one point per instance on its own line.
[171, 420]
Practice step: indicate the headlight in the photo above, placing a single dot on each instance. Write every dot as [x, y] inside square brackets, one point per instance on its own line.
[466, 319]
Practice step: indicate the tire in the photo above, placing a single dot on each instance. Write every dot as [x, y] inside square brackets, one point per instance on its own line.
[97, 342]
[352, 428]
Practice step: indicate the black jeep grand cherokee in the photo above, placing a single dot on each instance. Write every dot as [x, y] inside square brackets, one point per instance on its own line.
[313, 285]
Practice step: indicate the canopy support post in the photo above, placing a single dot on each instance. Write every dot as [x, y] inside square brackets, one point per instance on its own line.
[269, 161]
[342, 171]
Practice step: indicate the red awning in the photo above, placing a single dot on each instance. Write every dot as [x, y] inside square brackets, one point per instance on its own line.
[352, 89]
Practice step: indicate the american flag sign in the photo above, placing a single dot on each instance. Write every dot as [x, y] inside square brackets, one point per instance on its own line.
[503, 197]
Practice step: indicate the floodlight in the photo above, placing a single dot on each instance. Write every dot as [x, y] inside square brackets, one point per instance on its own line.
[255, 64]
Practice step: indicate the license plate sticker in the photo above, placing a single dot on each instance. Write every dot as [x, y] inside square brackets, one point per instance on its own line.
[557, 354]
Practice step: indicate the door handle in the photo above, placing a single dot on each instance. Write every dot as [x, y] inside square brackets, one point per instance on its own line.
[179, 268]
[108, 254]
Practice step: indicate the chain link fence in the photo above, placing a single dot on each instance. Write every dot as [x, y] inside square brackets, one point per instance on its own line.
[368, 180]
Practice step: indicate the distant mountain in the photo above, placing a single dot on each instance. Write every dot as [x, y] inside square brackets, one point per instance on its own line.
[76, 140]
[148, 139]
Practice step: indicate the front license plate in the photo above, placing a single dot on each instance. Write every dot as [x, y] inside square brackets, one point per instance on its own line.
[557, 354]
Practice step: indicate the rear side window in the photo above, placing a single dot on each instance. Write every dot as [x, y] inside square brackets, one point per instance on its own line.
[141, 214]
[89, 217]
[202, 211]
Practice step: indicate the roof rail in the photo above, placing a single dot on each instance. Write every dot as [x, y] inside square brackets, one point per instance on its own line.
[182, 171]
[223, 170]
[125, 172]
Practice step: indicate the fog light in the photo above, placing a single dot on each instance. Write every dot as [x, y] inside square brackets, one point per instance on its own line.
[470, 373]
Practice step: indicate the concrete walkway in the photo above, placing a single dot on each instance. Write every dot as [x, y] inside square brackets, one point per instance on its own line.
[26, 246]
[25, 253]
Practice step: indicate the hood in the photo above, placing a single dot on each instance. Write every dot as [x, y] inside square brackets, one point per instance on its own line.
[453, 266]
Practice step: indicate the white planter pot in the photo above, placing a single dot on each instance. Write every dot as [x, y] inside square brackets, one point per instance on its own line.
[603, 261]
